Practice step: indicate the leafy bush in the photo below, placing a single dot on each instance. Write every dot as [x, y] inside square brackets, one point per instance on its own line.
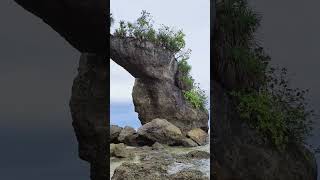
[143, 29]
[196, 97]
[278, 112]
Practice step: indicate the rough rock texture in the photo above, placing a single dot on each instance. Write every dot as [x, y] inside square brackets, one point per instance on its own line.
[198, 136]
[157, 146]
[162, 131]
[89, 114]
[198, 154]
[240, 153]
[119, 150]
[188, 174]
[125, 134]
[114, 133]
[163, 164]
[156, 93]
[83, 23]
[187, 142]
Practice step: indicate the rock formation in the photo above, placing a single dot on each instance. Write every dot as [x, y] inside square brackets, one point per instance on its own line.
[83, 23]
[156, 92]
[89, 114]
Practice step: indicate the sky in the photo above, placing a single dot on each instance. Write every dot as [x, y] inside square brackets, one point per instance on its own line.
[177, 14]
[290, 34]
[37, 68]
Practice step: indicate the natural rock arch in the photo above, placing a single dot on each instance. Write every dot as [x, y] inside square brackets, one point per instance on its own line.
[83, 24]
[157, 92]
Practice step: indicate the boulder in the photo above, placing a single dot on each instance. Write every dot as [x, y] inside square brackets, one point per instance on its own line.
[157, 146]
[126, 135]
[198, 135]
[188, 174]
[187, 142]
[133, 171]
[119, 151]
[162, 131]
[114, 133]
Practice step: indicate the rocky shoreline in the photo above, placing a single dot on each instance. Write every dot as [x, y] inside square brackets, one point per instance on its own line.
[159, 150]
[159, 162]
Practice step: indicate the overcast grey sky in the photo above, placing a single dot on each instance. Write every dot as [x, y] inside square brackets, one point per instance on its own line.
[191, 16]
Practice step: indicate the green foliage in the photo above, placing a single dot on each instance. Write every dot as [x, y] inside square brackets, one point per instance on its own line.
[143, 29]
[196, 97]
[278, 112]
[237, 21]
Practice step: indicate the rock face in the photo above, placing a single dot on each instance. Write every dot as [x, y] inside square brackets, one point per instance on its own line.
[162, 131]
[89, 115]
[114, 133]
[156, 92]
[198, 136]
[83, 23]
[119, 150]
[240, 153]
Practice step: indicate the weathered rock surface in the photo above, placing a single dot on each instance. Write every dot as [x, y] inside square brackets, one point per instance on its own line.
[119, 150]
[188, 174]
[157, 146]
[83, 23]
[126, 134]
[114, 133]
[165, 163]
[162, 131]
[187, 142]
[198, 154]
[88, 110]
[198, 135]
[156, 93]
[241, 153]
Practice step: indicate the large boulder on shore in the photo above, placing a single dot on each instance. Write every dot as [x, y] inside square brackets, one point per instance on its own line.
[162, 131]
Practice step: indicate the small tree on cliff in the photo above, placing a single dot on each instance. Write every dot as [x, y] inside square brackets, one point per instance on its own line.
[172, 40]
